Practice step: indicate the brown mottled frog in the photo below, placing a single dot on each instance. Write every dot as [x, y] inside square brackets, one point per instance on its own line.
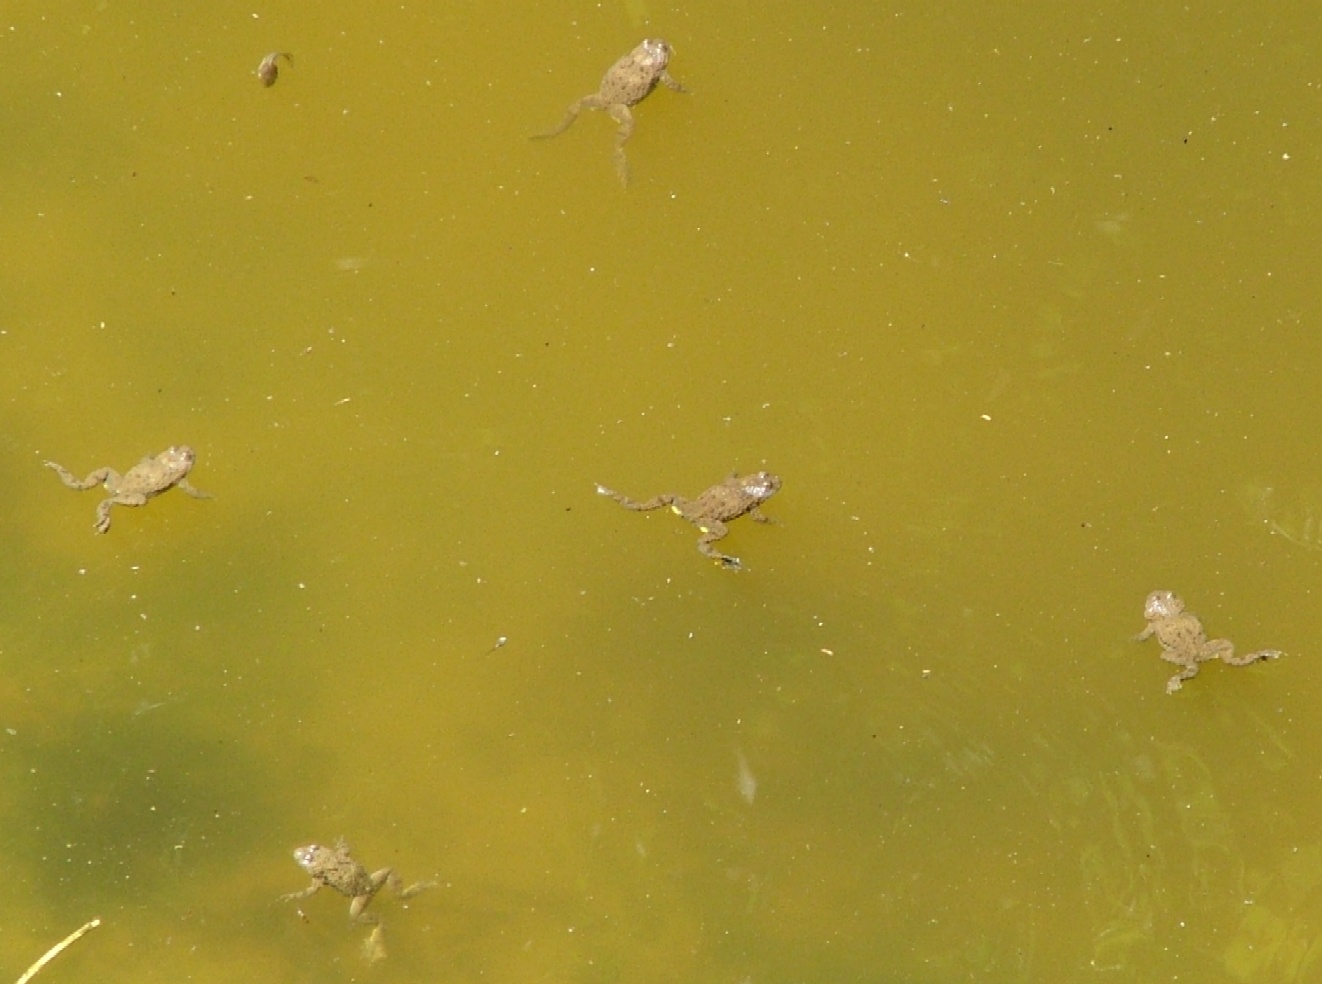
[334, 867]
[709, 512]
[625, 84]
[1184, 642]
[145, 480]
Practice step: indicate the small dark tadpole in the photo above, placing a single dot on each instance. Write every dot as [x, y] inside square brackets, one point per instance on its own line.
[268, 71]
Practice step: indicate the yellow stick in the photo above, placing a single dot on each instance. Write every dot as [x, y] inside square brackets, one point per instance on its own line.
[54, 951]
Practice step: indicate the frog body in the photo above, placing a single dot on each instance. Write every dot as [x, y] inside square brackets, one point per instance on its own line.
[626, 83]
[737, 496]
[1184, 641]
[147, 479]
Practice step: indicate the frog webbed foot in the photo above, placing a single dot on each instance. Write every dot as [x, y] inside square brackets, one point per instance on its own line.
[1177, 682]
[374, 947]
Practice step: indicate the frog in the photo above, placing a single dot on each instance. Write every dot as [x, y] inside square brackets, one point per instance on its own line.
[1185, 643]
[147, 479]
[335, 868]
[739, 495]
[269, 69]
[626, 83]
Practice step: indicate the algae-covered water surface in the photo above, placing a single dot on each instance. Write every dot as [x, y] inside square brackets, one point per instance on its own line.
[1016, 305]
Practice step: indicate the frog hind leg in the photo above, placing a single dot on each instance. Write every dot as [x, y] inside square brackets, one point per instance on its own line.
[118, 499]
[707, 546]
[376, 880]
[622, 115]
[656, 502]
[100, 476]
[414, 889]
[374, 947]
[397, 888]
[1229, 656]
[571, 114]
[1177, 682]
[102, 523]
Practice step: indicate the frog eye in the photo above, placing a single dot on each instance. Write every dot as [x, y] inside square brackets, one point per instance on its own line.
[657, 50]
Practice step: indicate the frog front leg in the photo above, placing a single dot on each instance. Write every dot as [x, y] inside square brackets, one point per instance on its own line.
[758, 516]
[622, 115]
[183, 486]
[308, 892]
[670, 82]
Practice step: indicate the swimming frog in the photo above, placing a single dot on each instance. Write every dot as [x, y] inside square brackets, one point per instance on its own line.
[736, 496]
[145, 480]
[625, 84]
[1183, 641]
[335, 868]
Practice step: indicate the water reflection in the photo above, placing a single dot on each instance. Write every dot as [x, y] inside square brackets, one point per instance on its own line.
[1294, 515]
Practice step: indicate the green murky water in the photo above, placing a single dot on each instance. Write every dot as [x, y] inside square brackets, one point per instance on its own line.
[1019, 305]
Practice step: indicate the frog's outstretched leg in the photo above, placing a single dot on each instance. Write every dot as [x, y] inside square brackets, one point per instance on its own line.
[565, 124]
[396, 884]
[656, 502]
[183, 486]
[1229, 656]
[98, 477]
[414, 889]
[623, 116]
[571, 114]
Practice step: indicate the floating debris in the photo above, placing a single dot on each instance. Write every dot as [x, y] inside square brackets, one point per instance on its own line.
[268, 71]
[57, 949]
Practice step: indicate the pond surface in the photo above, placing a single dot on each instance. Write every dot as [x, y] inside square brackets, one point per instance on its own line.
[1020, 306]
